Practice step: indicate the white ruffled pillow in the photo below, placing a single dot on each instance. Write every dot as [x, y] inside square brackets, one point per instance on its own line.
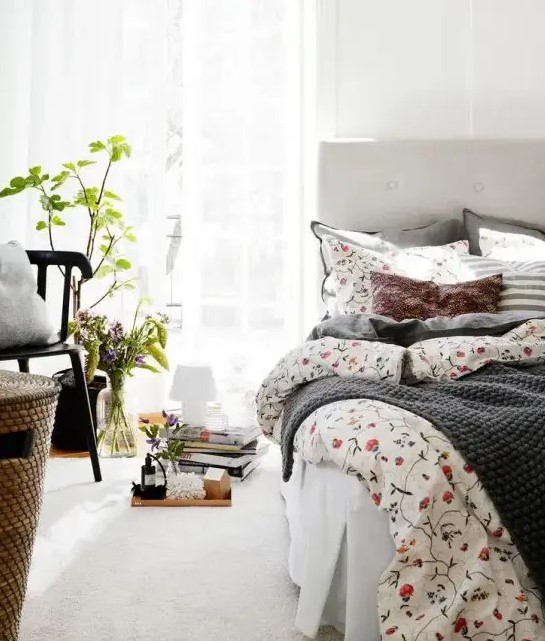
[351, 269]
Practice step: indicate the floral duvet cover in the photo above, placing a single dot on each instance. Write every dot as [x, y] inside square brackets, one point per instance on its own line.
[456, 572]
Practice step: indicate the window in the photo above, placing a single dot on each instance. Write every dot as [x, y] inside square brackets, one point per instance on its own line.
[234, 179]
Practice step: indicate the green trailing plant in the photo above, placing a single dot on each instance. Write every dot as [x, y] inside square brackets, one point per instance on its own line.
[67, 192]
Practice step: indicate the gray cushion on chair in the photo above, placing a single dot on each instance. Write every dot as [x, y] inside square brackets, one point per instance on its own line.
[23, 313]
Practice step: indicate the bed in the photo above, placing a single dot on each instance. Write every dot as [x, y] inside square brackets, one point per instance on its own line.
[341, 545]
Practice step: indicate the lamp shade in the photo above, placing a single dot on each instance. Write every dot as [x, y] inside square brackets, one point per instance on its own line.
[193, 386]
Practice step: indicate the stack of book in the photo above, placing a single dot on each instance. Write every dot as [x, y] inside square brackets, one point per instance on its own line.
[236, 450]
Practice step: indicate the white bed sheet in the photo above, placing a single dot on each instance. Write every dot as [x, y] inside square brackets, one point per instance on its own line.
[340, 545]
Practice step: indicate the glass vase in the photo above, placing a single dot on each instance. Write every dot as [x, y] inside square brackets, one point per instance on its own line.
[116, 420]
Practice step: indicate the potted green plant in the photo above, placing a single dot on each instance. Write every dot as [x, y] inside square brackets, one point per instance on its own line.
[62, 196]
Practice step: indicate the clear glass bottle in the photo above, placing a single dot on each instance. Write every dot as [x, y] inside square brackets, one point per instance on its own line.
[117, 420]
[214, 419]
[238, 396]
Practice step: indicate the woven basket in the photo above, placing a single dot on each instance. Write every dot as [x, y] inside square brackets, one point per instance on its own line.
[26, 401]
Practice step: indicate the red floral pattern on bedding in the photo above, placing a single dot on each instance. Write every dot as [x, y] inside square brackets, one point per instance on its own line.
[456, 573]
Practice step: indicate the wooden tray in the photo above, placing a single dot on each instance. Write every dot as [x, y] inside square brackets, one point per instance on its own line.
[136, 501]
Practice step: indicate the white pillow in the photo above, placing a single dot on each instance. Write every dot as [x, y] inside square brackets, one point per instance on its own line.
[23, 313]
[351, 269]
[509, 246]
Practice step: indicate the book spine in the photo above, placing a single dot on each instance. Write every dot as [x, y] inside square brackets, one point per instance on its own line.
[211, 459]
[207, 437]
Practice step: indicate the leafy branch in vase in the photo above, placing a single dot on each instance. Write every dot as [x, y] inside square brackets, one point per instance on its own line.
[106, 228]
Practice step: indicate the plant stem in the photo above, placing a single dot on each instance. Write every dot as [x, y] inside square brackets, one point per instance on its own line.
[104, 181]
[113, 241]
[49, 232]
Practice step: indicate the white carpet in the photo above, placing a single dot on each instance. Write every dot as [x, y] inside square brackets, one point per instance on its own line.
[102, 570]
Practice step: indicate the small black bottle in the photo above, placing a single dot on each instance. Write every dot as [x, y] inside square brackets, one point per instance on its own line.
[148, 474]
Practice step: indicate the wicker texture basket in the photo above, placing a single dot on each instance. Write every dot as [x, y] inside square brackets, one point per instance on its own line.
[26, 402]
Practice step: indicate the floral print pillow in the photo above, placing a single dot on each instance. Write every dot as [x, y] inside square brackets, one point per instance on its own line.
[351, 267]
[511, 247]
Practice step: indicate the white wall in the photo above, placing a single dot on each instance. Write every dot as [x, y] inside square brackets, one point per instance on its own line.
[432, 68]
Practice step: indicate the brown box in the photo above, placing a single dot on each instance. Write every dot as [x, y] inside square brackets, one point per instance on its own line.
[217, 484]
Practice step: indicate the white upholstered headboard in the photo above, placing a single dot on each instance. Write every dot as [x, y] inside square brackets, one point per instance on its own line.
[370, 185]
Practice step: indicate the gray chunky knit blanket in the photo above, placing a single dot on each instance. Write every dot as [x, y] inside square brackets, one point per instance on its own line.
[495, 418]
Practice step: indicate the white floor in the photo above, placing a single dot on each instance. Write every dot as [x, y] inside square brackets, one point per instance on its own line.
[102, 570]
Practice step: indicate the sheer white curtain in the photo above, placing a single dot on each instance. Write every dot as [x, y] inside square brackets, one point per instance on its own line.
[71, 72]
[241, 191]
[230, 82]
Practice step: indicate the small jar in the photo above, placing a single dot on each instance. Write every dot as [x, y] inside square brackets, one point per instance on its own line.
[214, 419]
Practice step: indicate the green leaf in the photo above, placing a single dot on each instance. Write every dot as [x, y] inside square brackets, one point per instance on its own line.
[69, 165]
[33, 181]
[115, 140]
[150, 368]
[45, 202]
[57, 220]
[104, 271]
[60, 205]
[127, 149]
[123, 263]
[156, 351]
[116, 154]
[18, 183]
[128, 285]
[113, 213]
[41, 224]
[92, 361]
[86, 163]
[97, 145]
[130, 237]
[111, 195]
[35, 171]
[8, 192]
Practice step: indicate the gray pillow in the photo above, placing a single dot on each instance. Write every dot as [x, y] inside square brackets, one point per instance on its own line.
[23, 313]
[439, 233]
[407, 332]
[474, 222]
[442, 232]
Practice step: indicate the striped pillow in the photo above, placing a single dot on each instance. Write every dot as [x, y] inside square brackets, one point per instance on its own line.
[479, 266]
[523, 283]
[521, 292]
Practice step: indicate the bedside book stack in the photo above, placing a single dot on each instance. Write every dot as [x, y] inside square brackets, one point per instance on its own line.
[236, 450]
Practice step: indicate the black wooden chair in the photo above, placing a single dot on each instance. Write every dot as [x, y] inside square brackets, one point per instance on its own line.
[67, 261]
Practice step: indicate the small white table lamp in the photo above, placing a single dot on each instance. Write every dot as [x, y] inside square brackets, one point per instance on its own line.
[193, 386]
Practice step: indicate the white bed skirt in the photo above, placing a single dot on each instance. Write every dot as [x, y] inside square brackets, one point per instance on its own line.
[340, 545]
